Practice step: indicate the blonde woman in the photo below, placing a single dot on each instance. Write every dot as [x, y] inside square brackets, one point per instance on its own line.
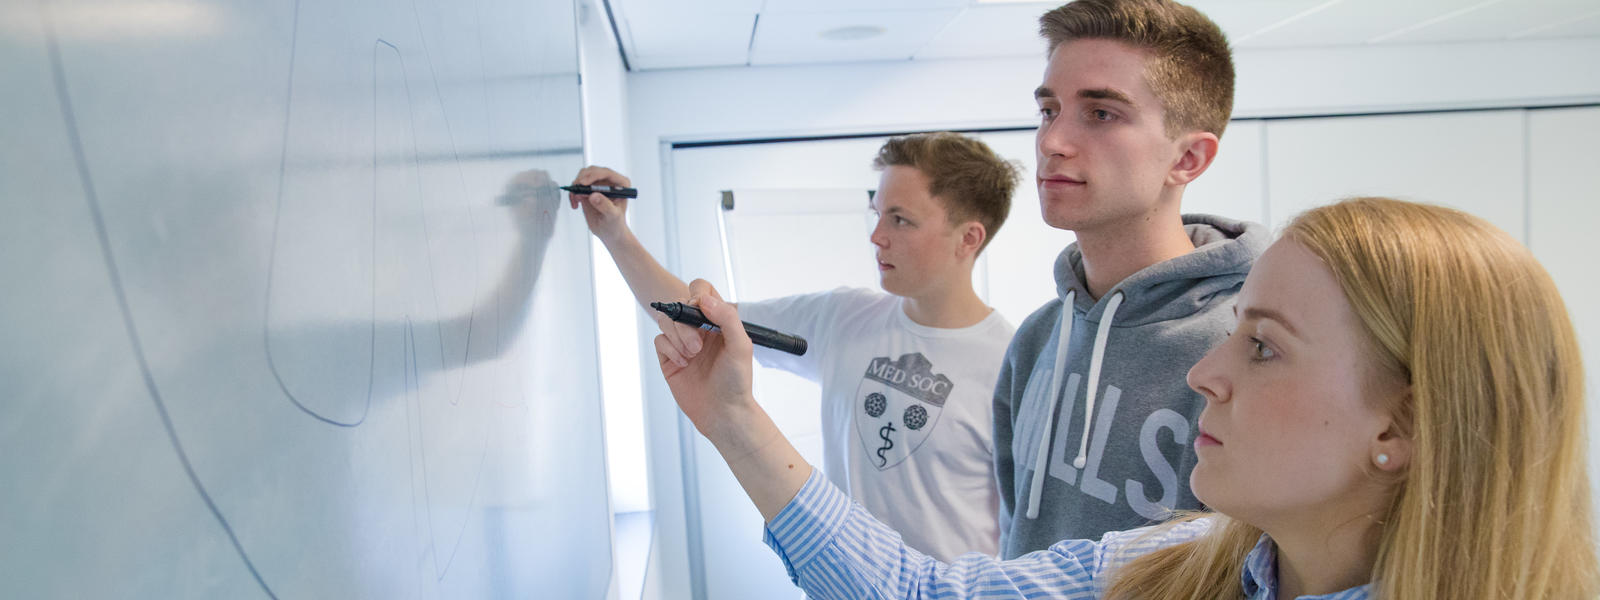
[1398, 414]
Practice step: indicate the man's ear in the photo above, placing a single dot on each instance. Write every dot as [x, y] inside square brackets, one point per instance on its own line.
[1198, 149]
[972, 237]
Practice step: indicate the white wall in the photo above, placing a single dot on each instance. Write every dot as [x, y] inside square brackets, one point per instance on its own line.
[1471, 160]
[605, 89]
[748, 103]
[605, 124]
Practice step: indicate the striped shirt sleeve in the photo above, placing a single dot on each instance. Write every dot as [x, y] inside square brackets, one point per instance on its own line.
[832, 548]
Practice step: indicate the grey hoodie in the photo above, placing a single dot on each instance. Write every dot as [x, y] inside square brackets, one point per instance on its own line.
[1124, 370]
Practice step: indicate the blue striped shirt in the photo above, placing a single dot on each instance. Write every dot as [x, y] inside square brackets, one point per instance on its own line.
[833, 548]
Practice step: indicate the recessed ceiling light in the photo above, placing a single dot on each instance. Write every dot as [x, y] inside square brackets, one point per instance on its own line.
[852, 33]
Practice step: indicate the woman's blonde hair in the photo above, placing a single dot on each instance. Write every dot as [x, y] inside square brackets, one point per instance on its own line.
[1494, 503]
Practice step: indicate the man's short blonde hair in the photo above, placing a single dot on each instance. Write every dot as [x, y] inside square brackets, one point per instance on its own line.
[1190, 67]
[973, 182]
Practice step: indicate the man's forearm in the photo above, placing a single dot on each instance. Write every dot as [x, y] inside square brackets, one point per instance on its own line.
[649, 281]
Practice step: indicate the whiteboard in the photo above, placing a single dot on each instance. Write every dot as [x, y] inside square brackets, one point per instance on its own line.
[290, 308]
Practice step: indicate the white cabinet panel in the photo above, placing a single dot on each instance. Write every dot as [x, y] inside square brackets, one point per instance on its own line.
[1471, 161]
[1564, 211]
[1232, 186]
[1016, 277]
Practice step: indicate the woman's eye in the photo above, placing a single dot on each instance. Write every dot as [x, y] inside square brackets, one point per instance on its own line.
[1259, 351]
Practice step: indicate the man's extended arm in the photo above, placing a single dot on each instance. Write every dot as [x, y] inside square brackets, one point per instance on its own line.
[649, 281]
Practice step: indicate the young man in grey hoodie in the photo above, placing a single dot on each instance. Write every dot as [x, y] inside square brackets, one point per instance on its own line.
[1094, 424]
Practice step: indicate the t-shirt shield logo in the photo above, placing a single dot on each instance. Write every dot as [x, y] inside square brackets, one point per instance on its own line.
[897, 405]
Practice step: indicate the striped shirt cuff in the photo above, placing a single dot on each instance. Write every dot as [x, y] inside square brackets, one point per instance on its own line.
[808, 523]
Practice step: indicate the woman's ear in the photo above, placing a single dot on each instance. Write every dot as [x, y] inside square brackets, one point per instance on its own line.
[1393, 448]
[1391, 453]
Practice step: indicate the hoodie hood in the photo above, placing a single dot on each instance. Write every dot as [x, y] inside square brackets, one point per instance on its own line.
[1174, 288]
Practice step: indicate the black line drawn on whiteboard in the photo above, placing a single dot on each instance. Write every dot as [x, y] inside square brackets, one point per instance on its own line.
[272, 260]
[80, 160]
[455, 156]
[474, 261]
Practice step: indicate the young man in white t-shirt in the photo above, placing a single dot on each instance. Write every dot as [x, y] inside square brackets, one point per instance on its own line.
[907, 376]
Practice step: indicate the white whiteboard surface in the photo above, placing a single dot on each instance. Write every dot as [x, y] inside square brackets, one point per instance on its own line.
[267, 331]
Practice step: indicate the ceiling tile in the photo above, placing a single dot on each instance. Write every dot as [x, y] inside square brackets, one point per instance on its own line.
[793, 38]
[672, 39]
[687, 33]
[1240, 18]
[1355, 22]
[807, 6]
[630, 7]
[1489, 20]
[990, 31]
[1582, 25]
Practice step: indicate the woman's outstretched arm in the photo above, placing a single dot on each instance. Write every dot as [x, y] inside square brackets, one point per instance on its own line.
[831, 546]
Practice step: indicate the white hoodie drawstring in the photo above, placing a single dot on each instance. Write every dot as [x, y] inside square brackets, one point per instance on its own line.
[1068, 315]
[1095, 361]
[1042, 456]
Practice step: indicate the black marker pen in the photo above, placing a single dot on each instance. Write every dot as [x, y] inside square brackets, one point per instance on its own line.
[760, 336]
[609, 191]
